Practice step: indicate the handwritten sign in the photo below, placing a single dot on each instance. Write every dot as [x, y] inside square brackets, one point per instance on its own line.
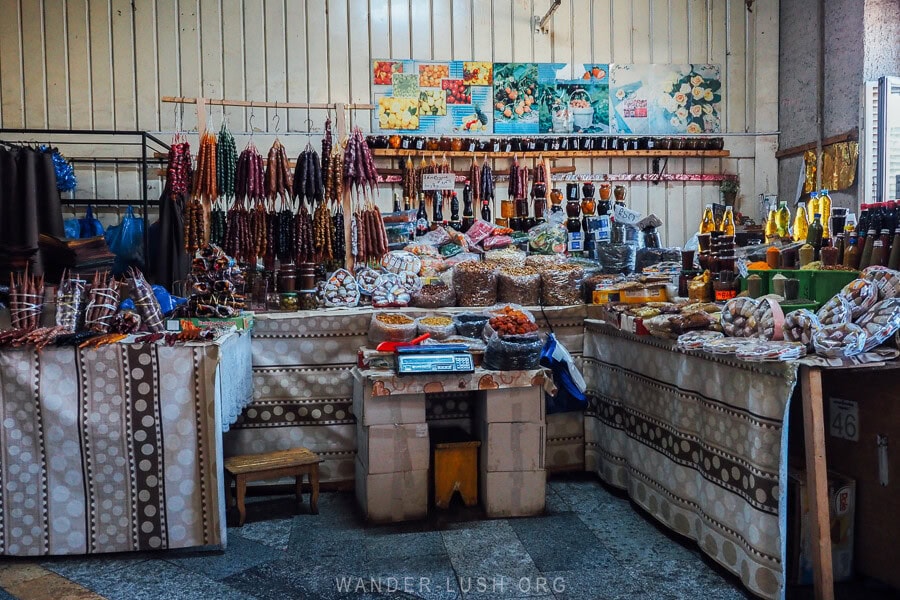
[438, 181]
[626, 215]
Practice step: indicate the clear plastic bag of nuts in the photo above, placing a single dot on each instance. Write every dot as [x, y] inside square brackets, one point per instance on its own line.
[519, 285]
[561, 285]
[391, 327]
[475, 284]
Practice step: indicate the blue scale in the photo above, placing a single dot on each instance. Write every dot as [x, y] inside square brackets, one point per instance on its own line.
[434, 358]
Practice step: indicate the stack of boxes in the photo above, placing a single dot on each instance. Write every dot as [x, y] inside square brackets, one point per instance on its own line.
[512, 478]
[392, 455]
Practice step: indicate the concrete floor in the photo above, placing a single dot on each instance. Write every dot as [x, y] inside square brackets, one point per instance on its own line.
[592, 544]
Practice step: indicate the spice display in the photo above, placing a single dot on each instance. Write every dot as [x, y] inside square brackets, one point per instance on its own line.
[440, 328]
[103, 301]
[561, 286]
[880, 322]
[26, 299]
[519, 285]
[433, 295]
[800, 325]
[475, 284]
[841, 340]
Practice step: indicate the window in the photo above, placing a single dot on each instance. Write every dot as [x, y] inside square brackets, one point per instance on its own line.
[880, 140]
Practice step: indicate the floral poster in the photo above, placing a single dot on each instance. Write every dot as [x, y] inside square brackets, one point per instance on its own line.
[686, 99]
[629, 93]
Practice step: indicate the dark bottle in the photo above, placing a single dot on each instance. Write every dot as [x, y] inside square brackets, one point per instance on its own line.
[878, 257]
[886, 248]
[454, 212]
[486, 211]
[406, 203]
[840, 245]
[876, 217]
[437, 209]
[421, 218]
[814, 233]
[894, 260]
[890, 220]
[851, 254]
[862, 223]
[866, 257]
[396, 202]
[468, 216]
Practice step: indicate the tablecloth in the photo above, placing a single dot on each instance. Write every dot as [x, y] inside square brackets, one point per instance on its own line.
[697, 440]
[116, 449]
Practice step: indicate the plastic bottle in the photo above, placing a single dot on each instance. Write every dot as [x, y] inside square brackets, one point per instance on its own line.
[813, 206]
[801, 223]
[814, 236]
[877, 253]
[708, 222]
[890, 220]
[727, 226]
[783, 220]
[851, 254]
[894, 260]
[863, 222]
[771, 226]
[455, 223]
[865, 258]
[886, 248]
[825, 211]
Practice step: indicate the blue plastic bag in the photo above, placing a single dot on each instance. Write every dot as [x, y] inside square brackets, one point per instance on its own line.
[72, 228]
[90, 226]
[570, 385]
[126, 241]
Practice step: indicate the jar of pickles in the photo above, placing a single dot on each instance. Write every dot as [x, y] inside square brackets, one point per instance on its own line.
[288, 301]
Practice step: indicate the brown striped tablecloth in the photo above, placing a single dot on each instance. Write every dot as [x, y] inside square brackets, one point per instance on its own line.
[116, 449]
[697, 440]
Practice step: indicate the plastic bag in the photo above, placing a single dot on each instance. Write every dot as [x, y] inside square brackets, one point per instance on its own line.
[70, 299]
[475, 284]
[616, 258]
[461, 258]
[440, 327]
[366, 278]
[90, 225]
[391, 327]
[519, 285]
[561, 285]
[881, 322]
[436, 237]
[646, 257]
[542, 261]
[570, 384]
[420, 250]
[835, 311]
[513, 352]
[479, 231]
[432, 266]
[458, 238]
[861, 294]
[887, 280]
[840, 341]
[550, 237]
[737, 317]
[126, 241]
[470, 325]
[800, 326]
[401, 261]
[474, 345]
[72, 228]
[341, 289]
[496, 241]
[434, 295]
[390, 290]
[507, 257]
[450, 249]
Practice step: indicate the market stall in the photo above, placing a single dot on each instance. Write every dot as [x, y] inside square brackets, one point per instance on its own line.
[119, 448]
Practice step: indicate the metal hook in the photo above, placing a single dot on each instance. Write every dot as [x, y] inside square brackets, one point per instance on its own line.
[250, 120]
[277, 119]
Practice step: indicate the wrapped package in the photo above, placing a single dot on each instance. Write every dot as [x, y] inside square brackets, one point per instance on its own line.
[561, 285]
[437, 237]
[767, 320]
[496, 242]
[880, 322]
[513, 352]
[70, 298]
[434, 295]
[694, 340]
[771, 351]
[800, 325]
[391, 327]
[479, 231]
[458, 238]
[646, 257]
[617, 258]
[738, 317]
[366, 278]
[550, 237]
[475, 284]
[390, 290]
[887, 281]
[463, 257]
[841, 340]
[432, 266]
[474, 345]
[542, 261]
[470, 325]
[519, 285]
[420, 249]
[509, 256]
[835, 311]
[439, 326]
[861, 295]
[400, 261]
[341, 289]
[450, 249]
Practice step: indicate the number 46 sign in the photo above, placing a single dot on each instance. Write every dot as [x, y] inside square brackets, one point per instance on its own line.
[843, 419]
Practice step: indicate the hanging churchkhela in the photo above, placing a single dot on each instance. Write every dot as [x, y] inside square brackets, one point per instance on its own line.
[360, 175]
[278, 189]
[226, 167]
[243, 229]
[204, 192]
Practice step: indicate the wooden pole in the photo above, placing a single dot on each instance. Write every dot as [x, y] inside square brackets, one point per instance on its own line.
[817, 481]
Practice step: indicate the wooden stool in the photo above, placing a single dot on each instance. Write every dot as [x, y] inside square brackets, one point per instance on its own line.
[455, 466]
[296, 462]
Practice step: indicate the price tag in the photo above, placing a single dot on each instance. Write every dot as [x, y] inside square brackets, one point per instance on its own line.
[438, 181]
[626, 215]
[843, 419]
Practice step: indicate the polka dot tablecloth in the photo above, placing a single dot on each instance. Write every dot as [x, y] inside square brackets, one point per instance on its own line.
[696, 441]
[116, 449]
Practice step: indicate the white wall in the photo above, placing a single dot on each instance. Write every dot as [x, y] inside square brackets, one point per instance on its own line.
[105, 63]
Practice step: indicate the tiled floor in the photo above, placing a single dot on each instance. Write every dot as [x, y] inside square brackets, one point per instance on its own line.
[591, 545]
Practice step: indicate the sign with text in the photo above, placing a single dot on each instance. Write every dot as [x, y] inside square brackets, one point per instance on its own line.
[843, 418]
[438, 181]
[626, 215]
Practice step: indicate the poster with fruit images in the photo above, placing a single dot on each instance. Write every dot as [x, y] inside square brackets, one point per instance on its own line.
[427, 97]
[573, 99]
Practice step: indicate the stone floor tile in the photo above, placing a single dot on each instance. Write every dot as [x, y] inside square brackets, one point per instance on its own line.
[686, 580]
[241, 554]
[562, 543]
[605, 584]
[82, 568]
[382, 544]
[50, 586]
[275, 533]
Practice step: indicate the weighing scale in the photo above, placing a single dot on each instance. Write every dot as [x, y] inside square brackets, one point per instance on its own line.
[434, 358]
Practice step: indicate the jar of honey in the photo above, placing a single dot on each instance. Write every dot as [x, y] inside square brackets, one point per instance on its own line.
[507, 208]
[394, 141]
[605, 190]
[556, 198]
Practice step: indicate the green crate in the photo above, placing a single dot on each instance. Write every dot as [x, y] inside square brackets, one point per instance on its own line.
[805, 278]
[787, 308]
[828, 283]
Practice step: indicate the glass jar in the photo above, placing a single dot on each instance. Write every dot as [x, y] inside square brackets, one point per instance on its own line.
[394, 141]
[588, 206]
[619, 193]
[605, 190]
[431, 144]
[288, 301]
[522, 207]
[573, 209]
[556, 198]
[507, 208]
[456, 144]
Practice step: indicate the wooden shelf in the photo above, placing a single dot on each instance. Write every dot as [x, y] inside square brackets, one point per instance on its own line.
[389, 152]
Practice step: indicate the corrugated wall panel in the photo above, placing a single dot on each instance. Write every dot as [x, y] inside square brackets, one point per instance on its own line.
[104, 63]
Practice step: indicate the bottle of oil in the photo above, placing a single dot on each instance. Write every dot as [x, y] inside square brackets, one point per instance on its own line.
[771, 226]
[813, 206]
[801, 223]
[783, 220]
[727, 226]
[825, 211]
[708, 222]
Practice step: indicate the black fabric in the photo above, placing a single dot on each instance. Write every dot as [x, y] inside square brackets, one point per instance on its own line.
[169, 261]
[29, 206]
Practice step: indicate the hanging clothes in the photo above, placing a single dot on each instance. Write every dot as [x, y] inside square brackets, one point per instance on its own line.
[29, 206]
[168, 259]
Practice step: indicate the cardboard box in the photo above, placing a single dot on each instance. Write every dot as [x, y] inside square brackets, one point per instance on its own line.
[393, 448]
[842, 509]
[242, 321]
[386, 410]
[513, 494]
[638, 295]
[512, 446]
[512, 405]
[392, 497]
